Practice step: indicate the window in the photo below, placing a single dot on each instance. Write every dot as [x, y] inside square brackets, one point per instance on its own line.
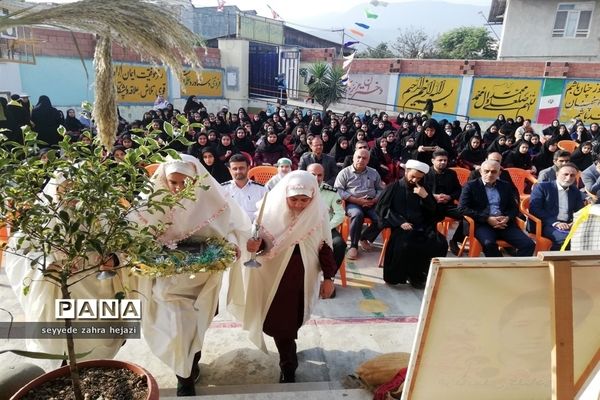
[573, 20]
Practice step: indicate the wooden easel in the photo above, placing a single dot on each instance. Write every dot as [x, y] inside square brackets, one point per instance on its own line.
[564, 386]
[562, 270]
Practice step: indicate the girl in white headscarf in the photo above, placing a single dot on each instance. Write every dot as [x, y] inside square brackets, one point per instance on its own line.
[179, 309]
[296, 242]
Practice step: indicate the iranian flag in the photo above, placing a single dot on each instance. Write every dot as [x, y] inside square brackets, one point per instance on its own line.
[550, 101]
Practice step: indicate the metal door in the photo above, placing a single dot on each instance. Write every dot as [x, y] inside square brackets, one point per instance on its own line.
[289, 61]
[263, 70]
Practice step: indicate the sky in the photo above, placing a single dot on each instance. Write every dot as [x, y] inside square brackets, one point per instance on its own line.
[297, 10]
[294, 10]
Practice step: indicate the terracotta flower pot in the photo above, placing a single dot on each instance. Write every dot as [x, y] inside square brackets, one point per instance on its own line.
[62, 371]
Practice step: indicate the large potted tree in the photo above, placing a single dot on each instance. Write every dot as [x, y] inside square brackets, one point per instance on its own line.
[88, 180]
[70, 216]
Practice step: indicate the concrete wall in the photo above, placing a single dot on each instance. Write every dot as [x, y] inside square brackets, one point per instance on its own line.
[59, 73]
[210, 23]
[527, 33]
[62, 79]
[10, 81]
[459, 87]
[234, 54]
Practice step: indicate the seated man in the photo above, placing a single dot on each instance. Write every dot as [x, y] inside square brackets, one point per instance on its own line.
[409, 208]
[555, 202]
[360, 186]
[445, 186]
[317, 156]
[561, 157]
[491, 204]
[591, 177]
[504, 175]
[333, 202]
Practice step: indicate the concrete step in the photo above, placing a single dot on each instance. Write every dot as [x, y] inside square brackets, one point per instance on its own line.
[277, 391]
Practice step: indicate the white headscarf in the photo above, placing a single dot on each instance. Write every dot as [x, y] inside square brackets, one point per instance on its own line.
[191, 215]
[283, 230]
[280, 226]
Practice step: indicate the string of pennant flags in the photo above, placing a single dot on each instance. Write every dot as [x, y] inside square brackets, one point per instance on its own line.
[369, 15]
[358, 29]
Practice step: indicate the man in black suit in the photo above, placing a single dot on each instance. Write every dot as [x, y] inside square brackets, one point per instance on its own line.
[491, 204]
[446, 189]
[504, 175]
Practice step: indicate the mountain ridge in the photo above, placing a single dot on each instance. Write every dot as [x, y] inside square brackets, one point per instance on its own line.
[435, 17]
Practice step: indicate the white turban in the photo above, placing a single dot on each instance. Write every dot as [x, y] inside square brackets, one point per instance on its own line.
[418, 165]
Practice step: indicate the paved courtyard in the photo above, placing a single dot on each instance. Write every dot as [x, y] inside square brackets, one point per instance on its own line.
[365, 319]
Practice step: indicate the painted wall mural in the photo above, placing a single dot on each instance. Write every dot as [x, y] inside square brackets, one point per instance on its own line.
[581, 100]
[210, 83]
[367, 90]
[511, 97]
[414, 91]
[140, 84]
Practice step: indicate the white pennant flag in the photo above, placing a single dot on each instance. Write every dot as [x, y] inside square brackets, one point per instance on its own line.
[348, 60]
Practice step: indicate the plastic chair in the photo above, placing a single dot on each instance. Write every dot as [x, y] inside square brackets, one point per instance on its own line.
[151, 168]
[3, 238]
[462, 174]
[444, 226]
[342, 269]
[591, 196]
[262, 173]
[475, 248]
[541, 243]
[520, 177]
[249, 158]
[385, 234]
[568, 145]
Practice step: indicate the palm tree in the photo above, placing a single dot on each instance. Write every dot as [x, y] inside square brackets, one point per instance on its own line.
[149, 27]
[325, 85]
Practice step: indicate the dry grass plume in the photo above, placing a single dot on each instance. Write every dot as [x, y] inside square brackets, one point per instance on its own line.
[149, 27]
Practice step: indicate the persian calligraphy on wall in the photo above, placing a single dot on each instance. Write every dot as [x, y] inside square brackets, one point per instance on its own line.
[582, 101]
[140, 84]
[367, 90]
[511, 97]
[415, 90]
[208, 84]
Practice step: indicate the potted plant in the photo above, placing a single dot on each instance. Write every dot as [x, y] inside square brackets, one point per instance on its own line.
[96, 194]
[70, 215]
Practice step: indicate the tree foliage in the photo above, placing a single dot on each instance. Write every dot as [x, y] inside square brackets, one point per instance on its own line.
[467, 43]
[414, 42]
[325, 85]
[382, 50]
[69, 236]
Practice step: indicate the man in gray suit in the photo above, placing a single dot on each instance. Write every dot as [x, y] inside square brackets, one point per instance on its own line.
[560, 158]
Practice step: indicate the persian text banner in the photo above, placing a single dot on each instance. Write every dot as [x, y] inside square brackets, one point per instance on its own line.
[511, 97]
[581, 101]
[208, 84]
[140, 84]
[367, 88]
[414, 91]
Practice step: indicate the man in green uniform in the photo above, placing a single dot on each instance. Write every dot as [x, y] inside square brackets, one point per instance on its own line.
[333, 201]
